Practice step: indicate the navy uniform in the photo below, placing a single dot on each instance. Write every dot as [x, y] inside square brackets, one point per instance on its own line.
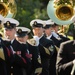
[64, 38]
[59, 36]
[52, 67]
[8, 54]
[5, 54]
[35, 67]
[57, 41]
[19, 58]
[46, 47]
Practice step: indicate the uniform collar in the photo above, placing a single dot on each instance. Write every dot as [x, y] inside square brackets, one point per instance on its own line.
[48, 37]
[40, 37]
[12, 41]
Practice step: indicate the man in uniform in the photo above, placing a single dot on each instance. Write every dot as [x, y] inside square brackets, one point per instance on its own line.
[55, 31]
[5, 54]
[22, 37]
[51, 31]
[19, 58]
[48, 34]
[46, 47]
[66, 57]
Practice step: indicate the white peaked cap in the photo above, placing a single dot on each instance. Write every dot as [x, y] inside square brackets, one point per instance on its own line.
[38, 21]
[49, 22]
[11, 20]
[24, 29]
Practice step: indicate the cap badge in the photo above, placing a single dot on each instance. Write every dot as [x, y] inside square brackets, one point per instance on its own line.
[8, 23]
[35, 23]
[51, 48]
[19, 30]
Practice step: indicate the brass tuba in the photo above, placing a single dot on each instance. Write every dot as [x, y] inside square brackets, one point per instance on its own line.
[8, 8]
[61, 12]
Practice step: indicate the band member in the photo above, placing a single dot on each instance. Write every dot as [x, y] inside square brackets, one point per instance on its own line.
[19, 58]
[51, 31]
[66, 57]
[22, 37]
[48, 34]
[5, 54]
[46, 47]
[55, 28]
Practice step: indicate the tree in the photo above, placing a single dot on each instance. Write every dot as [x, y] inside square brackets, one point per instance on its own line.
[28, 10]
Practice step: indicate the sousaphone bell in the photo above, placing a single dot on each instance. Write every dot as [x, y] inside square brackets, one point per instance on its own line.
[8, 8]
[60, 13]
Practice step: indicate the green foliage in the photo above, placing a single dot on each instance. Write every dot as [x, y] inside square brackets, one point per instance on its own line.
[28, 10]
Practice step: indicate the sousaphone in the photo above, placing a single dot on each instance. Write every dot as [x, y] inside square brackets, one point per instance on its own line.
[8, 8]
[61, 11]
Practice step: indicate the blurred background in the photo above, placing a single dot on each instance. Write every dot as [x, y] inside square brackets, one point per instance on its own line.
[28, 10]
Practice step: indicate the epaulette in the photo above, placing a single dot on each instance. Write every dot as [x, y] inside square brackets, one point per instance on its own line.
[32, 42]
[46, 50]
[38, 70]
[2, 54]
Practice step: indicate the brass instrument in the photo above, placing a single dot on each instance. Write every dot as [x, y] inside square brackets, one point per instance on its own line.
[8, 8]
[64, 12]
[61, 12]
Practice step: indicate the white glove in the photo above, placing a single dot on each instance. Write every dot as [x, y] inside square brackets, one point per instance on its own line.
[55, 35]
[36, 38]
